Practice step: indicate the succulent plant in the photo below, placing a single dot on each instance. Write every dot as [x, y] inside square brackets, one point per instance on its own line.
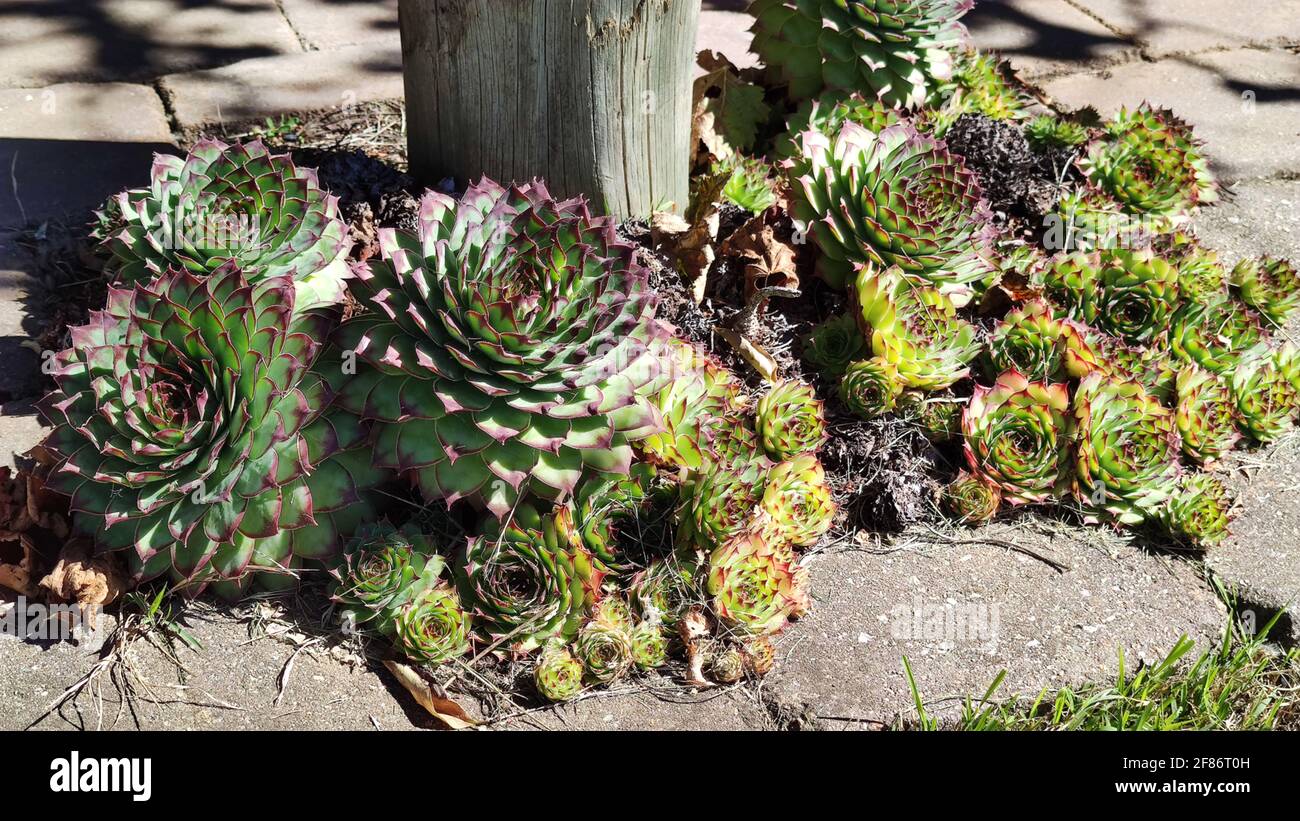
[614, 612]
[1269, 285]
[1149, 162]
[896, 198]
[1215, 333]
[979, 85]
[750, 185]
[695, 406]
[797, 502]
[1047, 131]
[558, 674]
[1201, 277]
[870, 387]
[896, 50]
[530, 579]
[1087, 219]
[383, 568]
[1130, 294]
[509, 349]
[727, 664]
[789, 420]
[833, 345]
[756, 585]
[235, 205]
[1199, 512]
[759, 655]
[938, 415]
[659, 592]
[605, 651]
[1266, 398]
[1206, 415]
[828, 112]
[1126, 454]
[602, 504]
[971, 499]
[719, 504]
[649, 644]
[1087, 350]
[915, 329]
[432, 627]
[1029, 339]
[188, 429]
[1018, 436]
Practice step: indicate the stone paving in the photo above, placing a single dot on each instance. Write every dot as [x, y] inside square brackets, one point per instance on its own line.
[88, 91]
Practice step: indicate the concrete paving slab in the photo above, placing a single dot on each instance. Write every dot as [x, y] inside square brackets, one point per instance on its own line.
[1244, 103]
[1167, 27]
[255, 89]
[57, 41]
[104, 112]
[329, 24]
[962, 613]
[1045, 38]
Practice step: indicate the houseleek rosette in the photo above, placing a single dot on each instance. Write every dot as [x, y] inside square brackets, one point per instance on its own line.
[223, 204]
[914, 328]
[1201, 277]
[1018, 436]
[979, 85]
[896, 198]
[649, 645]
[1047, 131]
[789, 420]
[1029, 340]
[1206, 415]
[894, 50]
[756, 585]
[1129, 294]
[870, 387]
[432, 627]
[1269, 285]
[760, 655]
[1199, 512]
[797, 501]
[530, 579]
[1126, 454]
[1149, 162]
[694, 405]
[833, 345]
[1087, 350]
[659, 592]
[1265, 396]
[509, 347]
[381, 569]
[726, 663]
[189, 432]
[828, 112]
[1214, 334]
[719, 504]
[971, 499]
[558, 674]
[605, 651]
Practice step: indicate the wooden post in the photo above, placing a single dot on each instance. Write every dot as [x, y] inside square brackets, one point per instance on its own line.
[594, 96]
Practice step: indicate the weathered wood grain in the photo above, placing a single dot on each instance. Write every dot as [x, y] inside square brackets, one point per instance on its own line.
[592, 95]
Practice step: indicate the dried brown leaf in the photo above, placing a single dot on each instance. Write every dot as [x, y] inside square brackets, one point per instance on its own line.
[726, 112]
[80, 577]
[430, 696]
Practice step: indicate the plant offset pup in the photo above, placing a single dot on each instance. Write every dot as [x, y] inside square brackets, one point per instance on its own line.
[896, 198]
[222, 204]
[894, 49]
[184, 428]
[508, 347]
